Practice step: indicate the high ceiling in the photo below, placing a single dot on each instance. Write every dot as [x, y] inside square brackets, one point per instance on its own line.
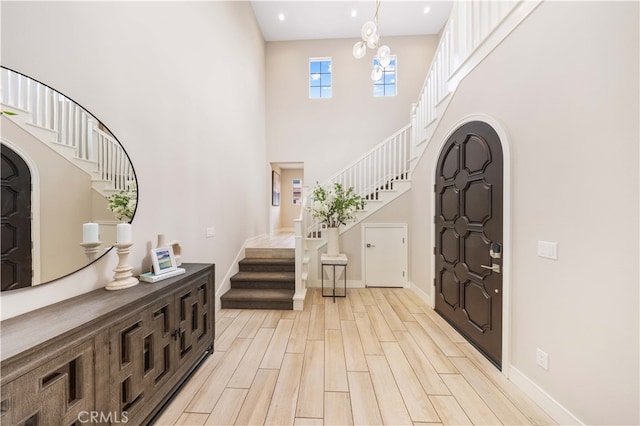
[318, 19]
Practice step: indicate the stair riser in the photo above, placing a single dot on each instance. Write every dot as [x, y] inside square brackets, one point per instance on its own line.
[266, 253]
[265, 267]
[264, 285]
[258, 304]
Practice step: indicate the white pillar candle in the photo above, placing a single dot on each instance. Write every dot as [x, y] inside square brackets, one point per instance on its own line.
[90, 233]
[123, 233]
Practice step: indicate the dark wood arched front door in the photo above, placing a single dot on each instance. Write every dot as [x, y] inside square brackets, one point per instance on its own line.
[468, 231]
[16, 221]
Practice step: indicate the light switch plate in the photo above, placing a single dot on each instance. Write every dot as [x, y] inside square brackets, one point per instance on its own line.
[548, 250]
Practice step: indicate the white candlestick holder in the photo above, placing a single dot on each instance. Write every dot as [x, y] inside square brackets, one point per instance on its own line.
[91, 250]
[123, 278]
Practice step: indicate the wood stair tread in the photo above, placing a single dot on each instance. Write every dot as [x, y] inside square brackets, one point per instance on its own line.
[246, 294]
[267, 260]
[263, 276]
[266, 280]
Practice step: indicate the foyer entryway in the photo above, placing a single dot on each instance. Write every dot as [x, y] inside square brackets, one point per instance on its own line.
[468, 233]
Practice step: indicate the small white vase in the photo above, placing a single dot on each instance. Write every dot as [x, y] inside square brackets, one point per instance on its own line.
[333, 241]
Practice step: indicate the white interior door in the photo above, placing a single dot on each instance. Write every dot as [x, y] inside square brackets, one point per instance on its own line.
[385, 255]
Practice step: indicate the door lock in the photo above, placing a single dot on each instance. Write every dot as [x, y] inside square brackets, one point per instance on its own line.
[495, 251]
[370, 245]
[492, 268]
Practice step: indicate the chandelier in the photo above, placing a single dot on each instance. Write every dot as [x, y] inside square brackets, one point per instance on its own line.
[371, 39]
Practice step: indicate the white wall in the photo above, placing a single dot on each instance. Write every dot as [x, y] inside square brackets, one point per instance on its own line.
[565, 87]
[181, 85]
[327, 134]
[289, 211]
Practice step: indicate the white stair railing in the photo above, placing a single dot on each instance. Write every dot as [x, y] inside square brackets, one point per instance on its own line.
[73, 126]
[474, 28]
[470, 25]
[375, 170]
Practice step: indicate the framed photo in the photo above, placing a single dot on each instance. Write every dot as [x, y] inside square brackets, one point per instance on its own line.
[163, 260]
[275, 188]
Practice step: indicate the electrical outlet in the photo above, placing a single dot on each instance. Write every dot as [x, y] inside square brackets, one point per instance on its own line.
[211, 232]
[542, 359]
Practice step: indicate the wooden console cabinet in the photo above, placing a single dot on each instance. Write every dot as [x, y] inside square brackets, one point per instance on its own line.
[106, 357]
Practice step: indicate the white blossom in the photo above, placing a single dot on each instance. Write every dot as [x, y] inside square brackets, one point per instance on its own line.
[334, 205]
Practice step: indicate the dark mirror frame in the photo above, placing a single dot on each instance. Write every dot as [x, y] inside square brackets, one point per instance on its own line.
[116, 172]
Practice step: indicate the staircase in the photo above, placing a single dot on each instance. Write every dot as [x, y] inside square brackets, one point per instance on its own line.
[68, 129]
[266, 280]
[381, 175]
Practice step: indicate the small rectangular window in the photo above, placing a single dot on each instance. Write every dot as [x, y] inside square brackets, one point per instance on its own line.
[320, 78]
[386, 85]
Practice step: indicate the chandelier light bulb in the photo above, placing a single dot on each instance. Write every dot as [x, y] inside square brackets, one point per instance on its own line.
[376, 74]
[359, 50]
[372, 43]
[384, 56]
[368, 30]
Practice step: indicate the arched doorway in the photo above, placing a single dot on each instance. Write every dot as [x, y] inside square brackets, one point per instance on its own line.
[469, 236]
[17, 269]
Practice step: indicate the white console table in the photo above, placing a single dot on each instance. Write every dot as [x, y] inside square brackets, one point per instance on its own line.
[336, 266]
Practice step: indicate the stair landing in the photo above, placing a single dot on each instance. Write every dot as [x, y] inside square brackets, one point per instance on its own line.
[279, 244]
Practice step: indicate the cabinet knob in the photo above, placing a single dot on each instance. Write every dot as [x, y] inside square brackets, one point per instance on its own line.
[177, 333]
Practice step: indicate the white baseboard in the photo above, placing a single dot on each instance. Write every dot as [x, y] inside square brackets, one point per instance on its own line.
[559, 413]
[421, 293]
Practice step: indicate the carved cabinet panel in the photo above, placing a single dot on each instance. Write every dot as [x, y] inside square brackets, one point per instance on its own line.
[56, 392]
[148, 347]
[106, 357]
[140, 356]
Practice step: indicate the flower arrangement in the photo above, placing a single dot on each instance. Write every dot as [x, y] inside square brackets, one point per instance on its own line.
[123, 204]
[334, 205]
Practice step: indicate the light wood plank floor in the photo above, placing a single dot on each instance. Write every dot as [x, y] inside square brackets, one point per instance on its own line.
[378, 356]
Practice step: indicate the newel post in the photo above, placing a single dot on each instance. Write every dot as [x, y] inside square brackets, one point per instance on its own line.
[300, 292]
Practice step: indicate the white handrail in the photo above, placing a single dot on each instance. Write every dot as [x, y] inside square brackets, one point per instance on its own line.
[376, 170]
[73, 126]
[469, 25]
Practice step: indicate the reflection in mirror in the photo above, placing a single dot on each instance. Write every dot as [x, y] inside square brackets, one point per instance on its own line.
[61, 167]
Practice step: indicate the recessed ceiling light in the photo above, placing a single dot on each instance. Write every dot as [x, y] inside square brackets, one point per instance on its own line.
[426, 10]
[354, 13]
[281, 16]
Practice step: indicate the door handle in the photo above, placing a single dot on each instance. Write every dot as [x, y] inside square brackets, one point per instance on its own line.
[370, 245]
[492, 268]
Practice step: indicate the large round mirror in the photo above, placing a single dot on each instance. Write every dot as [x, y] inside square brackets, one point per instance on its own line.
[66, 183]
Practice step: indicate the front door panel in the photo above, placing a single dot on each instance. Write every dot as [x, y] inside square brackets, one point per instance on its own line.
[468, 229]
[17, 269]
